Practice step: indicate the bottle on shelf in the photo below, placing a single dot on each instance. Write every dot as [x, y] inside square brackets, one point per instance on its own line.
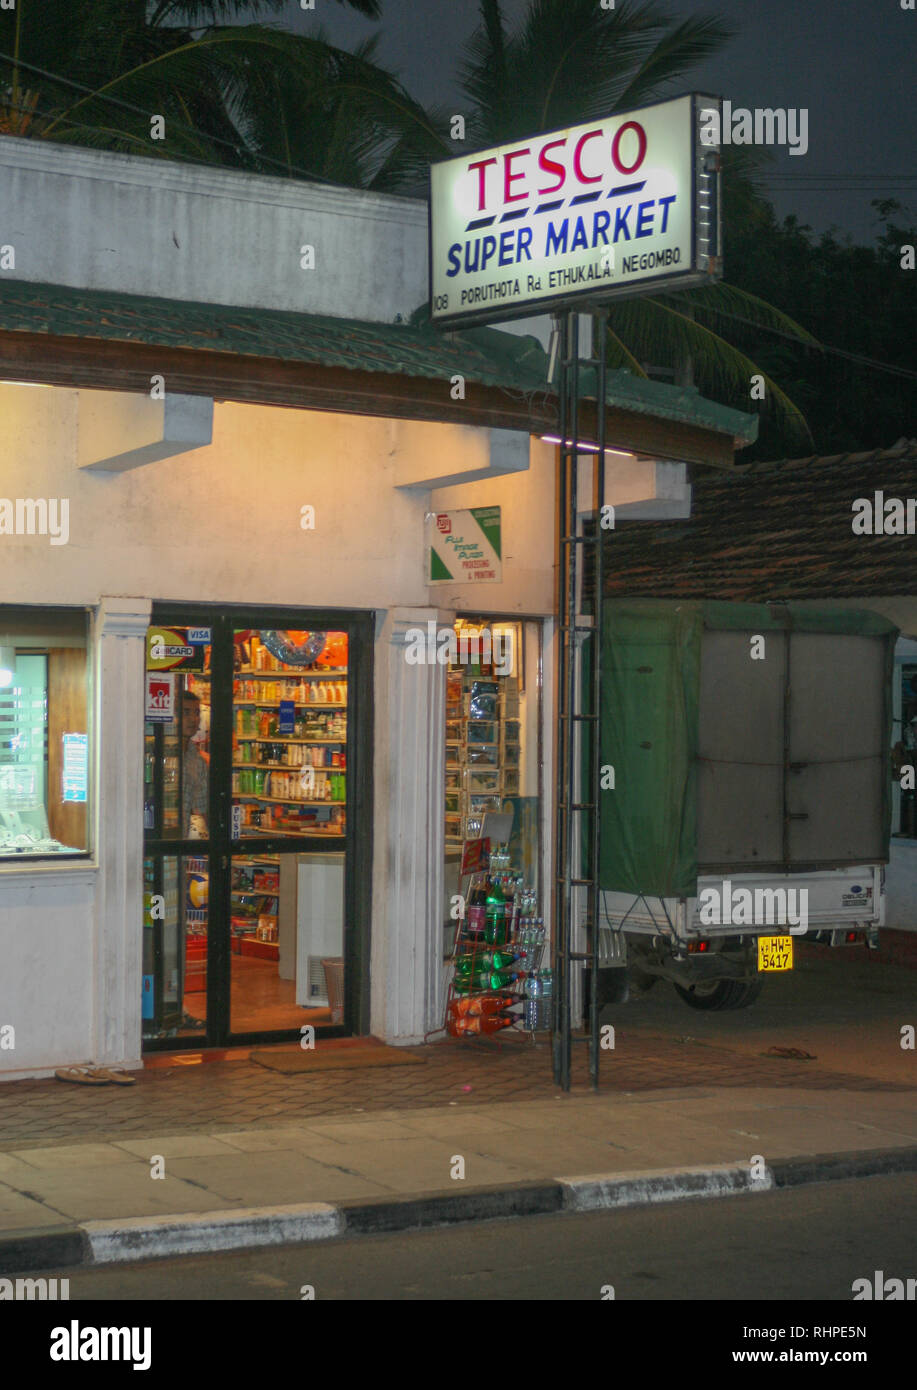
[539, 1000]
[476, 911]
[480, 1005]
[480, 981]
[495, 925]
[482, 962]
[476, 1024]
[531, 943]
[499, 960]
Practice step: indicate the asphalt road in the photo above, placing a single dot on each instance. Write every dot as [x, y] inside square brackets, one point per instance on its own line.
[802, 1244]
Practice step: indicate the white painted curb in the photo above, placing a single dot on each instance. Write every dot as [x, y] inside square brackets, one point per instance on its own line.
[601, 1192]
[149, 1237]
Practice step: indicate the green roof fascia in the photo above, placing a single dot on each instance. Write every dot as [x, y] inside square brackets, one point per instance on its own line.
[487, 356]
[283, 334]
[682, 403]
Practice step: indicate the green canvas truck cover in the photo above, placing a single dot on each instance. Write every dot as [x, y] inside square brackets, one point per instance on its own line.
[651, 719]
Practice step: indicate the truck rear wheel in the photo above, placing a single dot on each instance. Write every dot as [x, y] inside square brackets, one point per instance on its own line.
[721, 994]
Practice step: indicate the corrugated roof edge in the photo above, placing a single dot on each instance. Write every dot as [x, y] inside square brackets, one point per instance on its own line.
[901, 449]
[623, 390]
[509, 359]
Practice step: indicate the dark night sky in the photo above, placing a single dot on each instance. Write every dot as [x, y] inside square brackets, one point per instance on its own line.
[852, 63]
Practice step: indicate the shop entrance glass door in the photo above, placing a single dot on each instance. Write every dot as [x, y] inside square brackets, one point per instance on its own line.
[176, 812]
[289, 819]
[252, 863]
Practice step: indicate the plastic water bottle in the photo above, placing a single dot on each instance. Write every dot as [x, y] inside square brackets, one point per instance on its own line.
[530, 1007]
[546, 1002]
[539, 999]
[531, 941]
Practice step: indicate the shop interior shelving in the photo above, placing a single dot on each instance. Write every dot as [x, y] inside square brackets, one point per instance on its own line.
[479, 772]
[245, 699]
[248, 927]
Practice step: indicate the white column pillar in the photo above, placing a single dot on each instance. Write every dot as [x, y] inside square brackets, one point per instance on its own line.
[407, 965]
[119, 635]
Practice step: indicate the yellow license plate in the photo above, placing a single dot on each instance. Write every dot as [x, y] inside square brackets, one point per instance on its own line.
[775, 953]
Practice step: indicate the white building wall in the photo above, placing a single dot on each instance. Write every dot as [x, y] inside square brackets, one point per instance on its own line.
[103, 221]
[222, 524]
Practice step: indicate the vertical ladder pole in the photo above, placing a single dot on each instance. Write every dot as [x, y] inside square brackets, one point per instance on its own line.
[569, 393]
[570, 701]
[561, 801]
[599, 323]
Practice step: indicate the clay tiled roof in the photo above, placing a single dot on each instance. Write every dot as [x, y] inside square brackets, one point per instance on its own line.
[486, 356]
[772, 532]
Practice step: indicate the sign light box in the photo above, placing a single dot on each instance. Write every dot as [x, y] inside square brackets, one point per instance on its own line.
[615, 207]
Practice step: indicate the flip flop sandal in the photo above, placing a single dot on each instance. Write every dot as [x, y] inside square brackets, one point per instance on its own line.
[120, 1078]
[84, 1076]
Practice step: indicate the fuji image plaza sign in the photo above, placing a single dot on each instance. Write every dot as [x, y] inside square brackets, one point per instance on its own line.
[611, 208]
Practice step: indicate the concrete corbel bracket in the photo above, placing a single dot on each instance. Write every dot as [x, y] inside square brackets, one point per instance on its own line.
[118, 430]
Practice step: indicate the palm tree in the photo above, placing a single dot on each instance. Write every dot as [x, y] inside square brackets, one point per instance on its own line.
[352, 120]
[571, 61]
[228, 93]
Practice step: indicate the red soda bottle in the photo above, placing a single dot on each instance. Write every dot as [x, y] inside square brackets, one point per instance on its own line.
[491, 1023]
[476, 1005]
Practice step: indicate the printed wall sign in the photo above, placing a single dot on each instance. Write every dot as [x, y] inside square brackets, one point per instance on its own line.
[464, 547]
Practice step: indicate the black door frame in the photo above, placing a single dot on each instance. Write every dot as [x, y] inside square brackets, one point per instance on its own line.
[223, 619]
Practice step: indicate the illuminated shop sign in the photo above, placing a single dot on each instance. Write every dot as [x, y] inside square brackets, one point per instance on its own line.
[595, 212]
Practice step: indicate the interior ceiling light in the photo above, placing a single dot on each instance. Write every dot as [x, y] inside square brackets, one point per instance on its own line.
[584, 447]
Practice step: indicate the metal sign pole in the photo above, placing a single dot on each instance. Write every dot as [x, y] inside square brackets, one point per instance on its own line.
[572, 716]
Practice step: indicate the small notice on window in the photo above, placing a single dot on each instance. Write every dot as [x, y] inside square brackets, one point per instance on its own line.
[160, 697]
[75, 766]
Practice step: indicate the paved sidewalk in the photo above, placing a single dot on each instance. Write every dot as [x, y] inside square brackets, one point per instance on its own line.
[382, 1160]
[249, 1155]
[387, 1155]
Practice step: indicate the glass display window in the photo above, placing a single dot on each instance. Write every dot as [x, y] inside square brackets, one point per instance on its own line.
[45, 755]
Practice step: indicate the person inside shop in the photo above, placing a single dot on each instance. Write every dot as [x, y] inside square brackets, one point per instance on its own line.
[194, 771]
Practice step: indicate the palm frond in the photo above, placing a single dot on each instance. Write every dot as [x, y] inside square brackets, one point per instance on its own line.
[218, 63]
[618, 354]
[659, 332]
[675, 53]
[218, 11]
[572, 60]
[727, 304]
[194, 13]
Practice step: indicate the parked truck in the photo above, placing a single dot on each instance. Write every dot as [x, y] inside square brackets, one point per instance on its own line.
[746, 798]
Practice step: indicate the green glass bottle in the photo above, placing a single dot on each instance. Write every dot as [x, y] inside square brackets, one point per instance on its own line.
[471, 963]
[495, 927]
[497, 960]
[480, 982]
